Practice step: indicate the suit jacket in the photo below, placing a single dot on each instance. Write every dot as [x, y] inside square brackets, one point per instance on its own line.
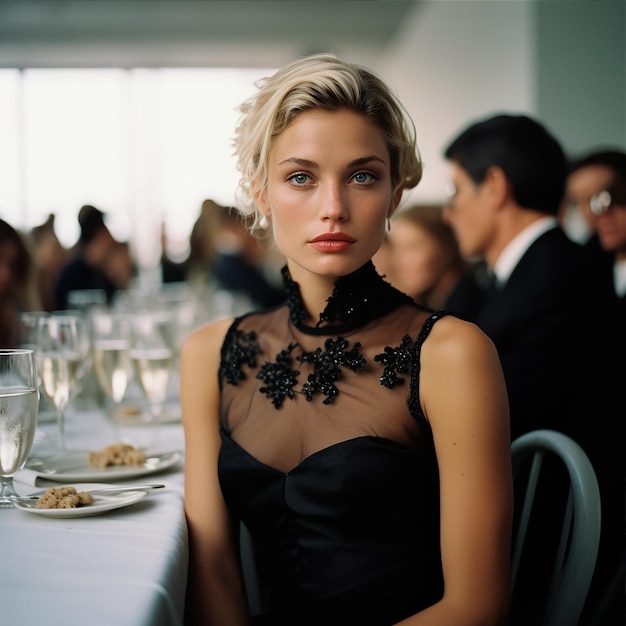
[561, 342]
[554, 325]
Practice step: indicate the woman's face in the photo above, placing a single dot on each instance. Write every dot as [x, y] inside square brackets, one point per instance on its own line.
[329, 192]
[418, 258]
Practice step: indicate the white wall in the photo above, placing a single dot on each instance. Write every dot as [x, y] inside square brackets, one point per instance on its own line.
[456, 61]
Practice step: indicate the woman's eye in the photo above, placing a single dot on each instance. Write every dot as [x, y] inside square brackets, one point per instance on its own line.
[299, 178]
[364, 177]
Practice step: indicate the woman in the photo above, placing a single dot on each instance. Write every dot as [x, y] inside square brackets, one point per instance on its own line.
[362, 439]
[427, 262]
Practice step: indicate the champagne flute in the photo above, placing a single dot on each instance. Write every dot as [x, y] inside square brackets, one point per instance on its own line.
[59, 359]
[19, 406]
[85, 364]
[152, 357]
[111, 345]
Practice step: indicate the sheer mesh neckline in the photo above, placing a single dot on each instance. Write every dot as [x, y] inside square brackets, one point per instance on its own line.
[357, 299]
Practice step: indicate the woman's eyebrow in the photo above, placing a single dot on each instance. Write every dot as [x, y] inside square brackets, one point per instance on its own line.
[312, 164]
[367, 159]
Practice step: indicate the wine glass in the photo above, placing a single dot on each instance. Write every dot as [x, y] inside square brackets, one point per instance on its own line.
[111, 345]
[85, 364]
[152, 358]
[19, 406]
[59, 358]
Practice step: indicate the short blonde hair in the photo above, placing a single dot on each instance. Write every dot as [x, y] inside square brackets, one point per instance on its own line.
[320, 81]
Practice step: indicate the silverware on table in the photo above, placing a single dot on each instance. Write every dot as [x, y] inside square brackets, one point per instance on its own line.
[111, 489]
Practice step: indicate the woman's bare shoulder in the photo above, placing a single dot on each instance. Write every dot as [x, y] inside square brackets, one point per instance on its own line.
[457, 345]
[205, 339]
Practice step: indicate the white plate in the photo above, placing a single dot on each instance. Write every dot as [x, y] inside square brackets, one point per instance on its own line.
[136, 415]
[101, 503]
[75, 466]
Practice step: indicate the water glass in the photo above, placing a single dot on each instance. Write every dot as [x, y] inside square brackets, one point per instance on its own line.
[19, 406]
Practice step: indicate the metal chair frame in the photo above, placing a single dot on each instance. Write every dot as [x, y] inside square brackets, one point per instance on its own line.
[580, 532]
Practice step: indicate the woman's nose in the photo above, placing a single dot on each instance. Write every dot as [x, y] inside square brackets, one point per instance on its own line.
[333, 203]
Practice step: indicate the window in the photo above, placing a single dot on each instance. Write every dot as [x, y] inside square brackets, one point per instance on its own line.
[146, 146]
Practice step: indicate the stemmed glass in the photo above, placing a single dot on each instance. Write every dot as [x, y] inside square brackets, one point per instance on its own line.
[152, 357]
[59, 358]
[19, 406]
[85, 362]
[111, 345]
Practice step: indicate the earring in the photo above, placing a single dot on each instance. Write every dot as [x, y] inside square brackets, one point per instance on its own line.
[264, 222]
[388, 225]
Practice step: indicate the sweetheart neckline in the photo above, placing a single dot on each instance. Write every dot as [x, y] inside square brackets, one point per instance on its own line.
[313, 455]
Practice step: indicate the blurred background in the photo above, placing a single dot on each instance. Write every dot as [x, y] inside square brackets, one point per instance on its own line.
[129, 105]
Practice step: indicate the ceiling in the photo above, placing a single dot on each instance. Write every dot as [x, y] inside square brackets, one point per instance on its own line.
[253, 33]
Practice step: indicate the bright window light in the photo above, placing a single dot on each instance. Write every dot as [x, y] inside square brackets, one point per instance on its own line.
[146, 146]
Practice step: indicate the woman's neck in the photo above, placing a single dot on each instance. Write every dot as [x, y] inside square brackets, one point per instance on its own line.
[315, 290]
[355, 300]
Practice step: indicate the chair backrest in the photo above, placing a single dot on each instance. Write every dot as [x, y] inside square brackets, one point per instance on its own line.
[575, 556]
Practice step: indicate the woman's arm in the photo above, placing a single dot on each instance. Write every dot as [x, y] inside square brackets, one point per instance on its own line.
[464, 397]
[215, 592]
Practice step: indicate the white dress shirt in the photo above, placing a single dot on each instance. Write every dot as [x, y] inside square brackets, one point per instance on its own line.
[516, 248]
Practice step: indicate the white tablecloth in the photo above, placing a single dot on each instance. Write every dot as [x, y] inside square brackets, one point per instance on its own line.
[126, 567]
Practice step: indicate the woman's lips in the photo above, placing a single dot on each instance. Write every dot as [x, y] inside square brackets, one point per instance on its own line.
[332, 242]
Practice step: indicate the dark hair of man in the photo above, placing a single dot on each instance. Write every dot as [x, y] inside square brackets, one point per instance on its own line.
[531, 158]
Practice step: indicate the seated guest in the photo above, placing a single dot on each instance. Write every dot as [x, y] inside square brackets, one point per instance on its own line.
[240, 262]
[428, 265]
[50, 257]
[555, 325]
[86, 268]
[327, 424]
[596, 188]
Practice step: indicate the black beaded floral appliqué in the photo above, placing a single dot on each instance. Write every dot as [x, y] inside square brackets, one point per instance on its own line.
[240, 349]
[279, 378]
[357, 300]
[396, 361]
[327, 366]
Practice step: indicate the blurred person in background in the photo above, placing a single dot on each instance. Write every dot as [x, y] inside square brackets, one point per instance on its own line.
[18, 283]
[588, 173]
[120, 266]
[171, 271]
[202, 245]
[87, 266]
[596, 190]
[50, 257]
[556, 327]
[427, 262]
[241, 262]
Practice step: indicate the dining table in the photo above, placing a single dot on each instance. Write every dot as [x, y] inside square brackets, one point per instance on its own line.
[123, 563]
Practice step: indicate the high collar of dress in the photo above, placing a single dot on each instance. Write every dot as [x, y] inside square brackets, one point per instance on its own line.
[357, 299]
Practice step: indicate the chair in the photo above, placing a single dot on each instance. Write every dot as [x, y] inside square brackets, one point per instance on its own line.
[575, 556]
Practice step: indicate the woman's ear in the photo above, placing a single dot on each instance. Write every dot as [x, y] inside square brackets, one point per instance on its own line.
[258, 195]
[395, 201]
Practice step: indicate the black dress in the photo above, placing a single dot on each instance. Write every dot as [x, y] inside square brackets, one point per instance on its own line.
[328, 459]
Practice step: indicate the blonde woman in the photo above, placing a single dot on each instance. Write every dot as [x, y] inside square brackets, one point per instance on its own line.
[362, 439]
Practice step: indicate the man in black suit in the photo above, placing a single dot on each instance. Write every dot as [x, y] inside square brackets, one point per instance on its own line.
[555, 326]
